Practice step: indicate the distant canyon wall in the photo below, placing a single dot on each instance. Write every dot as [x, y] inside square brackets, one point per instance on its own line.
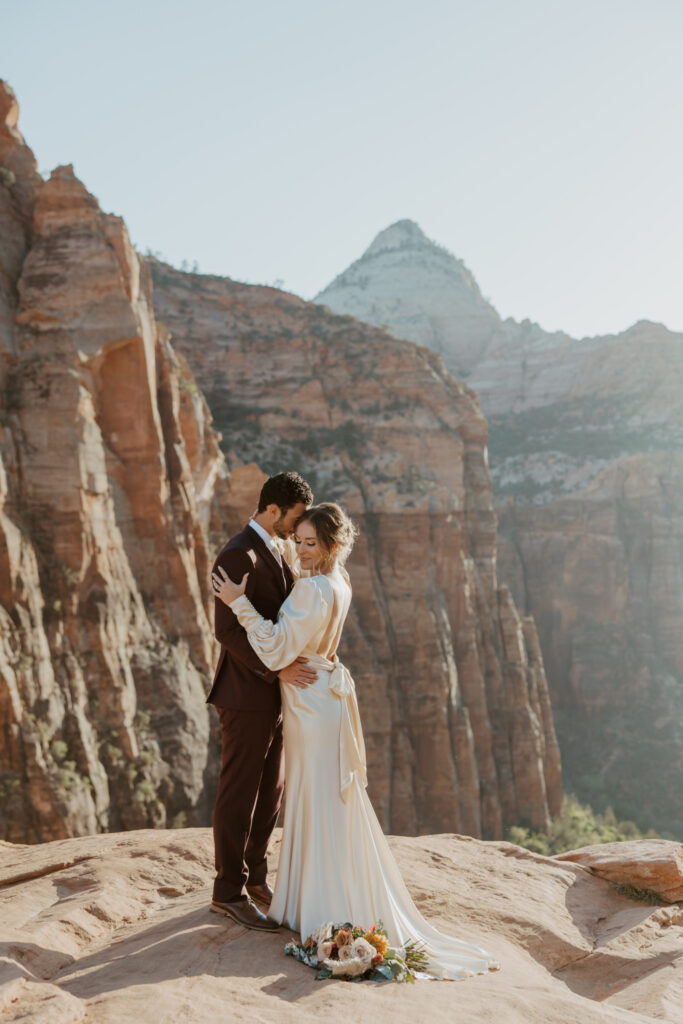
[586, 452]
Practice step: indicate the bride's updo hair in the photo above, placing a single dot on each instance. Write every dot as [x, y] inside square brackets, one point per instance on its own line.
[332, 527]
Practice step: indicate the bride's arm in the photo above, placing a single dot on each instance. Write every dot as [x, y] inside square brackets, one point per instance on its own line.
[303, 614]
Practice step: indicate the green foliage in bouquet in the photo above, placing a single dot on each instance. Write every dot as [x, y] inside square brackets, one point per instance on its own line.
[415, 956]
[303, 955]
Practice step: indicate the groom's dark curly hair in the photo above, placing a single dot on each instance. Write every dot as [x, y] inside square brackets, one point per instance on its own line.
[284, 490]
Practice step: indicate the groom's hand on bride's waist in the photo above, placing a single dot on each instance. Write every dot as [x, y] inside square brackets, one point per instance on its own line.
[299, 673]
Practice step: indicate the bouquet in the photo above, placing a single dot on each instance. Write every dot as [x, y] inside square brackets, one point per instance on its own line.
[356, 954]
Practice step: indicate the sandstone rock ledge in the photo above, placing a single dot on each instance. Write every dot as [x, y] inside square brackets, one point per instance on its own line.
[651, 864]
[115, 928]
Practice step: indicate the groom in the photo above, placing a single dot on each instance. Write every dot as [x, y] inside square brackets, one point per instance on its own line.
[246, 695]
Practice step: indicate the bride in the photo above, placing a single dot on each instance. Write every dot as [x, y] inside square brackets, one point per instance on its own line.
[335, 863]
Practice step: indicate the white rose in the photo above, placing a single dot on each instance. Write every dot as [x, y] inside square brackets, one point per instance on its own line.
[362, 949]
[345, 952]
[325, 949]
[349, 968]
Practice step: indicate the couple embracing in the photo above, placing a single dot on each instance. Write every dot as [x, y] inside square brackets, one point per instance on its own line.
[280, 687]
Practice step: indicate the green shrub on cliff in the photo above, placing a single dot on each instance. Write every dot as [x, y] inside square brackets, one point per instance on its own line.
[577, 826]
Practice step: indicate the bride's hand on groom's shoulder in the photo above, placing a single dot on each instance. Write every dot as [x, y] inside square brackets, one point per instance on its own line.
[224, 588]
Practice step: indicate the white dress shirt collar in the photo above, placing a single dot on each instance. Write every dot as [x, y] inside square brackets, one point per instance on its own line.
[266, 537]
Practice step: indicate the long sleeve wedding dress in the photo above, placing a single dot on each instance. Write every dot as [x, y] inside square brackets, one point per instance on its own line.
[335, 863]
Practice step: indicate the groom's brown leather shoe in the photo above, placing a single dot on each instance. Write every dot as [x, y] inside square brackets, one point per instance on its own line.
[244, 912]
[262, 895]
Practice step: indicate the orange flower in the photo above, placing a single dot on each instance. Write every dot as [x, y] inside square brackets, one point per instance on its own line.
[380, 942]
[344, 937]
[377, 960]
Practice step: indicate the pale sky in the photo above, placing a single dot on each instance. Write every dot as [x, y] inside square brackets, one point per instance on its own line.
[538, 140]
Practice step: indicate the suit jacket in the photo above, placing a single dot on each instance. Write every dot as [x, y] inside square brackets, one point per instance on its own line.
[242, 681]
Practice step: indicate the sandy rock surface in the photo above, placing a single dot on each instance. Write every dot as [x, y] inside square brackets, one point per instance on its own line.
[115, 928]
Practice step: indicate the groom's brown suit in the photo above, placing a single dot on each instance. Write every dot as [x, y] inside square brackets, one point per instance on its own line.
[247, 697]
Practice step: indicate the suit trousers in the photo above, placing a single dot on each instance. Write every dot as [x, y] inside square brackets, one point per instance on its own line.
[250, 788]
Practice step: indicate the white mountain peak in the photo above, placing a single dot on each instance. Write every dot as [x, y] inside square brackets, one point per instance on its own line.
[400, 235]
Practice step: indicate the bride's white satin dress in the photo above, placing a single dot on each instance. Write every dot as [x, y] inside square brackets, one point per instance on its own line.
[335, 863]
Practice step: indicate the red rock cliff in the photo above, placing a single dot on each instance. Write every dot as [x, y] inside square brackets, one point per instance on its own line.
[451, 681]
[108, 471]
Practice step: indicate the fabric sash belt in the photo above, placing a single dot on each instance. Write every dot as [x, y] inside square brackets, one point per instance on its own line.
[351, 742]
